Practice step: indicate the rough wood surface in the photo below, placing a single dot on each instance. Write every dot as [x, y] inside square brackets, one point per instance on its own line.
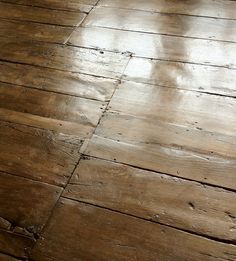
[37, 154]
[76, 84]
[81, 115]
[172, 201]
[64, 58]
[82, 232]
[25, 205]
[40, 15]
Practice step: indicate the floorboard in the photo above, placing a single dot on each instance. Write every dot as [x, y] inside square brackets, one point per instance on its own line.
[117, 130]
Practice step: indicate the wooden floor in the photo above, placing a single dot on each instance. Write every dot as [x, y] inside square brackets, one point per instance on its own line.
[117, 130]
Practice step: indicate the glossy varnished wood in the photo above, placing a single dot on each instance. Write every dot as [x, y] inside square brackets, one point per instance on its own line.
[75, 84]
[157, 46]
[71, 5]
[201, 78]
[170, 24]
[171, 201]
[65, 58]
[81, 232]
[34, 31]
[40, 15]
[211, 8]
[70, 115]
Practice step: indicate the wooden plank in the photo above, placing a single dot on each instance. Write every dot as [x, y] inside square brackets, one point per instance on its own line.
[78, 231]
[211, 8]
[64, 58]
[75, 84]
[7, 258]
[26, 204]
[34, 31]
[37, 154]
[179, 25]
[71, 5]
[172, 201]
[15, 245]
[157, 46]
[40, 15]
[69, 114]
[208, 168]
[184, 108]
[182, 76]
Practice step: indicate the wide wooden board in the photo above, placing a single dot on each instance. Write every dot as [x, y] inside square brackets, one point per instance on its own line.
[37, 154]
[172, 201]
[64, 58]
[207, 79]
[155, 46]
[78, 231]
[211, 8]
[169, 24]
[40, 15]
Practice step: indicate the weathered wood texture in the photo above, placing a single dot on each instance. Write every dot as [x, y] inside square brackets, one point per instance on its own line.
[82, 232]
[71, 5]
[25, 205]
[34, 31]
[37, 154]
[40, 15]
[157, 46]
[172, 201]
[75, 84]
[48, 110]
[14, 244]
[211, 8]
[207, 79]
[180, 25]
[64, 58]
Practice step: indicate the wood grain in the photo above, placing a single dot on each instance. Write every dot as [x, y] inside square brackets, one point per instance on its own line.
[157, 46]
[179, 25]
[40, 15]
[172, 201]
[75, 233]
[64, 58]
[75, 84]
[73, 115]
[26, 204]
[15, 245]
[71, 5]
[37, 154]
[7, 258]
[34, 31]
[182, 76]
[211, 8]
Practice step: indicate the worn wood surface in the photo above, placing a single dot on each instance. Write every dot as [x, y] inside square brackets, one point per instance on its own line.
[75, 84]
[37, 154]
[34, 31]
[209, 8]
[40, 15]
[201, 78]
[99, 234]
[171, 201]
[157, 46]
[71, 5]
[69, 114]
[117, 130]
[167, 24]
[64, 58]
[25, 204]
